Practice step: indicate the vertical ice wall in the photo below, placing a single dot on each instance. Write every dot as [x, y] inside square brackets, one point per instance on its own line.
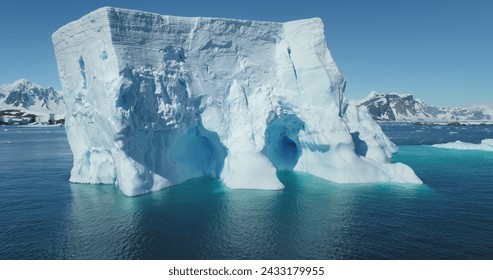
[155, 100]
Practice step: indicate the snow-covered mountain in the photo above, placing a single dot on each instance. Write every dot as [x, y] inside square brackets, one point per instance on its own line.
[404, 107]
[24, 101]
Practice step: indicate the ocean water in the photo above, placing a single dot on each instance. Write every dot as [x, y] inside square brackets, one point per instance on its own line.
[42, 216]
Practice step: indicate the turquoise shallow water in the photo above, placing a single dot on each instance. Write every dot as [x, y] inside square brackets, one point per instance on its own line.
[42, 216]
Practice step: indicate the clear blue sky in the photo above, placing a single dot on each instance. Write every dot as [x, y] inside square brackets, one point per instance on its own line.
[441, 51]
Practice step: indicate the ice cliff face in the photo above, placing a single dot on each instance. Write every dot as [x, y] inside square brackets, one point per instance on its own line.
[155, 100]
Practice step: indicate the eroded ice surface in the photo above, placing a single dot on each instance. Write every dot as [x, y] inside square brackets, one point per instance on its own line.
[154, 100]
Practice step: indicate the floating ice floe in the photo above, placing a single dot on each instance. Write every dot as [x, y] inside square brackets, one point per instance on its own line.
[486, 145]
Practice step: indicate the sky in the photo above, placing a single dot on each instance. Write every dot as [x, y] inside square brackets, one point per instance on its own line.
[440, 51]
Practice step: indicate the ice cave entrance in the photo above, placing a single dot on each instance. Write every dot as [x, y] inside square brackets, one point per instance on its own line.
[282, 145]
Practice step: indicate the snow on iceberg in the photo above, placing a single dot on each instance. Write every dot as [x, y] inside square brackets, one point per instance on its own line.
[485, 145]
[155, 100]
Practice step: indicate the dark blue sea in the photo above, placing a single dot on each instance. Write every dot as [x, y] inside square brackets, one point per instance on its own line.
[43, 216]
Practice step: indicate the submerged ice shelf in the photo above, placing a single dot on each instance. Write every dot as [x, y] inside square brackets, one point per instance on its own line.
[155, 100]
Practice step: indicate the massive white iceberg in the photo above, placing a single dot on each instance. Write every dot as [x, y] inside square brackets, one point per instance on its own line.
[485, 145]
[155, 100]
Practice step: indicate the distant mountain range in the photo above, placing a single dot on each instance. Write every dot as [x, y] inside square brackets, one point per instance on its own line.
[25, 102]
[404, 107]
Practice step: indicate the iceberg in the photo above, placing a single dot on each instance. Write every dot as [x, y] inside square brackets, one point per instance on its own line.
[485, 145]
[154, 100]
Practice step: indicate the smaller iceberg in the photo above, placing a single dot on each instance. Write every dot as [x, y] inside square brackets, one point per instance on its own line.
[486, 145]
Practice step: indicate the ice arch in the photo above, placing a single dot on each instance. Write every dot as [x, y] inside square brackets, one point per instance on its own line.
[282, 145]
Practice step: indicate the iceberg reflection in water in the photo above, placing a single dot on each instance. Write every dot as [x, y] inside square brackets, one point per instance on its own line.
[203, 219]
